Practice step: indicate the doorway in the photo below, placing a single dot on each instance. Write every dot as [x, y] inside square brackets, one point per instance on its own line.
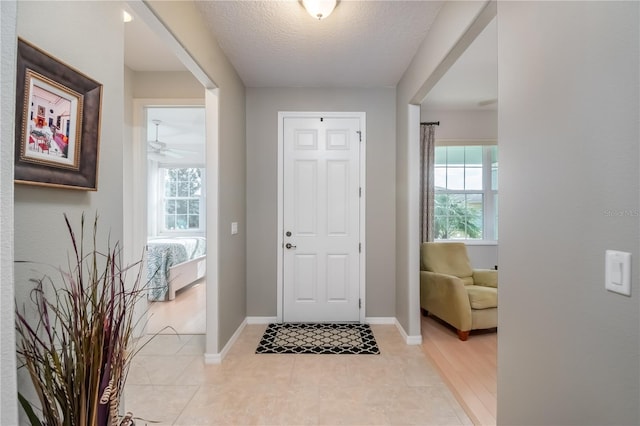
[321, 169]
[176, 218]
[464, 102]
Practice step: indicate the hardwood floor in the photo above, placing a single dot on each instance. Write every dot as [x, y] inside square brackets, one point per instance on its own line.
[469, 368]
[186, 314]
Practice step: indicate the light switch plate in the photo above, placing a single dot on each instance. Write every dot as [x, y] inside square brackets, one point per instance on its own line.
[234, 228]
[617, 272]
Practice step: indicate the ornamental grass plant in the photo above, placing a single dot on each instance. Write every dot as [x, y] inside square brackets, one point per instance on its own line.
[75, 336]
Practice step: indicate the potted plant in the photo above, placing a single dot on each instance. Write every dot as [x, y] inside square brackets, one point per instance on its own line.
[75, 337]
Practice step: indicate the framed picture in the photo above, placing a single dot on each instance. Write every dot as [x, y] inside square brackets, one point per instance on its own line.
[57, 122]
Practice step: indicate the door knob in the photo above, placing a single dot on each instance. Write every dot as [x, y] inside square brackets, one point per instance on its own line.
[289, 246]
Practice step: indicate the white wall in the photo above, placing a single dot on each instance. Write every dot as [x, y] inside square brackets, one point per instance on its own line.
[568, 350]
[8, 396]
[262, 192]
[94, 47]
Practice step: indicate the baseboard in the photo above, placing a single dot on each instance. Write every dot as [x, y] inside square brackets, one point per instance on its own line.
[212, 358]
[380, 320]
[409, 340]
[261, 320]
[217, 358]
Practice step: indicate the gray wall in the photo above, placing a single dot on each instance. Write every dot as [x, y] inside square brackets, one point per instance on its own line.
[569, 182]
[185, 21]
[262, 192]
[8, 396]
[94, 47]
[463, 124]
[166, 84]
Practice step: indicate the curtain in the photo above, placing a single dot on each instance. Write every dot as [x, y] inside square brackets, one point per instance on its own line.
[427, 187]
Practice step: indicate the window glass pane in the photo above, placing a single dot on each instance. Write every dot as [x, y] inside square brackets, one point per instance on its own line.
[440, 205]
[194, 222]
[440, 155]
[169, 188]
[455, 178]
[181, 221]
[456, 205]
[474, 216]
[494, 167]
[455, 155]
[194, 207]
[440, 177]
[170, 206]
[182, 206]
[169, 222]
[440, 232]
[183, 188]
[473, 178]
[494, 178]
[473, 155]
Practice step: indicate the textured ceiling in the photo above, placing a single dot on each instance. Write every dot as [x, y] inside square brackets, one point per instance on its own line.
[361, 44]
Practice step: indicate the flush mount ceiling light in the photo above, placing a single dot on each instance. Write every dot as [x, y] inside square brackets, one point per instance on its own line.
[319, 9]
[126, 16]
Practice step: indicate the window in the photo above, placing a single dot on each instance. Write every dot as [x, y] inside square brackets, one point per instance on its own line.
[182, 199]
[466, 192]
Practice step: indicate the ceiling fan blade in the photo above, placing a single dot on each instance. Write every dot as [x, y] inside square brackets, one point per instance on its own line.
[171, 153]
[157, 144]
[183, 151]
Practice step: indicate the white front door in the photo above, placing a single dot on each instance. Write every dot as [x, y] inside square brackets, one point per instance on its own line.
[321, 219]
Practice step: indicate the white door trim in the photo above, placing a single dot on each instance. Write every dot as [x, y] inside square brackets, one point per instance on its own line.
[280, 241]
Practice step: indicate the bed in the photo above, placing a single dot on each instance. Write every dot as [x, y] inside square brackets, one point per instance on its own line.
[172, 264]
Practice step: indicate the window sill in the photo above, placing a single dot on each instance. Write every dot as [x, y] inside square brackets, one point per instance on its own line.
[481, 243]
[472, 242]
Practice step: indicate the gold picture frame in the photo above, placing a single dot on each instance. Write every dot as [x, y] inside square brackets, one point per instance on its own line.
[57, 122]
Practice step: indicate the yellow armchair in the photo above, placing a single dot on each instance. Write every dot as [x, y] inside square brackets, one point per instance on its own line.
[453, 291]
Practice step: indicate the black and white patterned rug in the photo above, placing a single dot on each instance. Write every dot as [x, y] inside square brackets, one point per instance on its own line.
[312, 338]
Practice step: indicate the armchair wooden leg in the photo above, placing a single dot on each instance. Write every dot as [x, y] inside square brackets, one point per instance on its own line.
[463, 335]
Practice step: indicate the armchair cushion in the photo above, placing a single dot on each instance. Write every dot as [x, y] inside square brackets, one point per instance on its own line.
[447, 258]
[482, 297]
[485, 277]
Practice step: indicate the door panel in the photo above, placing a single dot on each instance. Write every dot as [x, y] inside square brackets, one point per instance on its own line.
[321, 211]
[305, 185]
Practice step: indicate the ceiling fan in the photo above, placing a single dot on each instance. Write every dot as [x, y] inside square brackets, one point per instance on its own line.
[161, 149]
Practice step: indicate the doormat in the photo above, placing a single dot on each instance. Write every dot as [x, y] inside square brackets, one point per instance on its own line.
[313, 338]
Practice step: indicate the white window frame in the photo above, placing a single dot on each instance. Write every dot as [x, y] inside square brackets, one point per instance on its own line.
[162, 167]
[489, 195]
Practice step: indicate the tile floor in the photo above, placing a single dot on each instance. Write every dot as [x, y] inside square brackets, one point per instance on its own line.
[169, 383]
